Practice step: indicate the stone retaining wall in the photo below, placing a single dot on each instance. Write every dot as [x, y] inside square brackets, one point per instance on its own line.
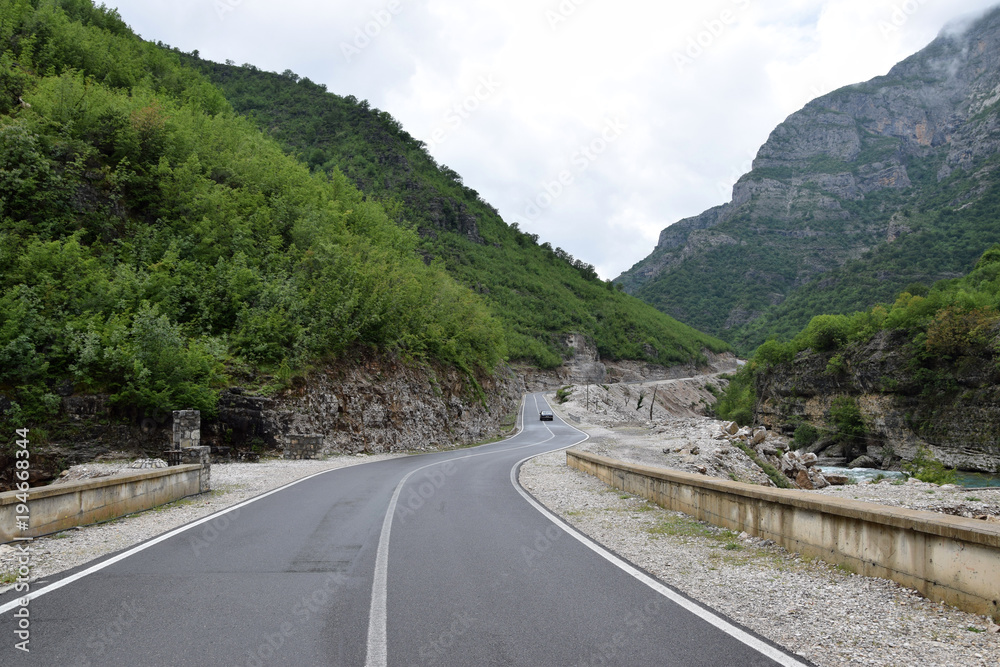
[947, 558]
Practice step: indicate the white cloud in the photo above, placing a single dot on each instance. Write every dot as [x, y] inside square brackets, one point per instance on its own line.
[700, 87]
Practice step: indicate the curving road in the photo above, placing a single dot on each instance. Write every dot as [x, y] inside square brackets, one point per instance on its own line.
[438, 559]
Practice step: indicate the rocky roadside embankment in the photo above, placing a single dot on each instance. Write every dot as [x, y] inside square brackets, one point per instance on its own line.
[824, 613]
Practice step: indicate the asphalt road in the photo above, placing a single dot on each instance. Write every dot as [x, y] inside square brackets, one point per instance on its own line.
[438, 559]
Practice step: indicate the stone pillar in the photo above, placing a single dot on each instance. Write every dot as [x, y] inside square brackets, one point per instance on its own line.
[187, 428]
[187, 440]
[200, 456]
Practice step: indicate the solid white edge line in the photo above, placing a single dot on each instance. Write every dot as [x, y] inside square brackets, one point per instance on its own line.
[377, 645]
[695, 608]
[156, 540]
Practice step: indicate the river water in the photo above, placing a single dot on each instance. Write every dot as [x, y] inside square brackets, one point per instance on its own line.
[971, 480]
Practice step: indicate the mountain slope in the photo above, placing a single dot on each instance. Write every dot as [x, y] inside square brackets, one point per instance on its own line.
[538, 292]
[859, 194]
[153, 244]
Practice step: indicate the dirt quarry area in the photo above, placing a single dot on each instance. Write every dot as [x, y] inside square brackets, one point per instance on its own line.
[677, 435]
[674, 434]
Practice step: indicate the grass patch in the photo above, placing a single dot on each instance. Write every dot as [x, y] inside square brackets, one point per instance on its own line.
[680, 526]
[7, 578]
[772, 473]
[973, 499]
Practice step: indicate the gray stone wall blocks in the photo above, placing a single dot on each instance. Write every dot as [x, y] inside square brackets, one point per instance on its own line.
[187, 428]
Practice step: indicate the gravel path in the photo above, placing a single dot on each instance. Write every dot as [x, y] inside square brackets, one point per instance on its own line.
[824, 613]
[232, 483]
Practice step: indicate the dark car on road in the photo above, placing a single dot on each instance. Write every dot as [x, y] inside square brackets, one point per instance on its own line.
[545, 416]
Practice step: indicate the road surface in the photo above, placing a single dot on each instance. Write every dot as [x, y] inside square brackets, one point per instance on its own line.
[437, 559]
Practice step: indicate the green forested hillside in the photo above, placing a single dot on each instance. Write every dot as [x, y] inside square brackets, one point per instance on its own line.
[538, 292]
[154, 244]
[153, 241]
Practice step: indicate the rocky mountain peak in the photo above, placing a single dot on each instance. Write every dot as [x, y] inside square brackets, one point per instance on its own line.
[830, 180]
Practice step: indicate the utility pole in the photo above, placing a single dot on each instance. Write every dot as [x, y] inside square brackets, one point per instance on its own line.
[652, 402]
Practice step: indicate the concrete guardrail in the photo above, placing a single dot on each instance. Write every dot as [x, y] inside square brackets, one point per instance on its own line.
[60, 506]
[951, 559]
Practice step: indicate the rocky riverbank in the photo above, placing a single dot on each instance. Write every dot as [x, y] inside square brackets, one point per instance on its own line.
[824, 613]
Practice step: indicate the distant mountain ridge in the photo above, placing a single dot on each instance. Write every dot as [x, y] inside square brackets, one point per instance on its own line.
[862, 192]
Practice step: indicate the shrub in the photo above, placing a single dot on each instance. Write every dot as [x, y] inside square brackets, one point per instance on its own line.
[739, 399]
[773, 352]
[850, 430]
[927, 468]
[805, 435]
[825, 333]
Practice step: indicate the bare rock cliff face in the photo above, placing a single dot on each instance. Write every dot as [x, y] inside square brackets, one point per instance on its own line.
[585, 366]
[374, 405]
[828, 182]
[952, 411]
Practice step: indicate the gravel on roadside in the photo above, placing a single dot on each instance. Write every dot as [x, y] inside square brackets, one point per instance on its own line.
[824, 613]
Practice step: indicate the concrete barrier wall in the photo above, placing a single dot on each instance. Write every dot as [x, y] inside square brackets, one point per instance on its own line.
[61, 506]
[947, 558]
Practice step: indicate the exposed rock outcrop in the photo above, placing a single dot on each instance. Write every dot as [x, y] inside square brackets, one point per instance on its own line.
[374, 405]
[830, 183]
[951, 410]
[584, 366]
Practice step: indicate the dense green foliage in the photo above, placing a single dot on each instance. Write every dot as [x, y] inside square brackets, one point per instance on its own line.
[953, 324]
[926, 468]
[538, 292]
[944, 242]
[953, 318]
[151, 240]
[738, 401]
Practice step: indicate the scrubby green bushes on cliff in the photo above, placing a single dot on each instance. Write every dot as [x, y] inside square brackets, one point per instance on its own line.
[150, 239]
[953, 325]
[954, 318]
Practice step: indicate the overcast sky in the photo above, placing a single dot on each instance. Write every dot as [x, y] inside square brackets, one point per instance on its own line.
[592, 123]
